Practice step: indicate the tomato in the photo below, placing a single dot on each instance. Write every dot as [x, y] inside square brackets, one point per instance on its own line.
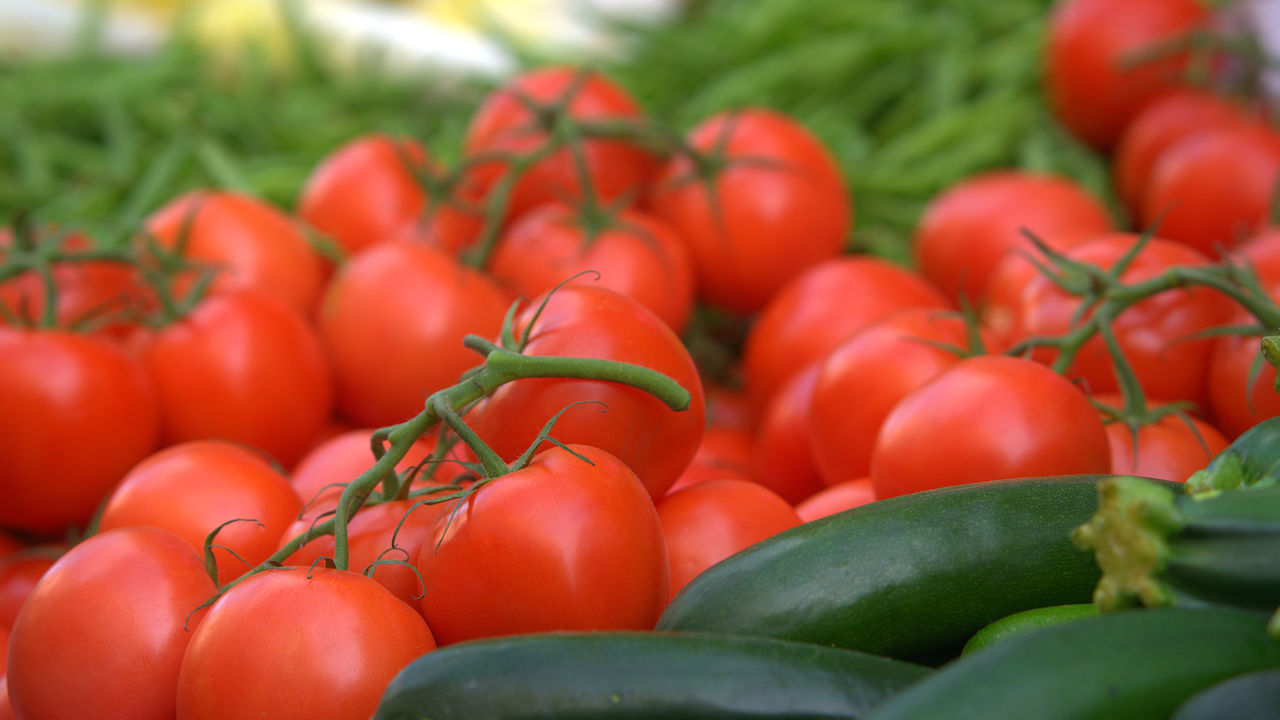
[106, 628]
[816, 311]
[1161, 124]
[251, 243]
[19, 574]
[592, 322]
[505, 125]
[707, 522]
[322, 474]
[1186, 196]
[988, 417]
[1154, 334]
[1241, 385]
[1095, 76]
[1170, 448]
[562, 544]
[861, 381]
[775, 205]
[244, 367]
[782, 460]
[836, 498]
[635, 254]
[725, 451]
[966, 230]
[1261, 253]
[78, 413]
[728, 406]
[191, 488]
[393, 321]
[298, 643]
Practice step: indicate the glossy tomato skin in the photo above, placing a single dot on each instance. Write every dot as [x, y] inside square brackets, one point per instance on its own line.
[503, 124]
[709, 521]
[816, 311]
[1170, 448]
[971, 226]
[558, 545]
[1239, 398]
[655, 441]
[393, 321]
[244, 367]
[1092, 90]
[636, 254]
[836, 498]
[58, 388]
[298, 643]
[193, 487]
[19, 574]
[251, 243]
[782, 459]
[106, 628]
[776, 207]
[322, 474]
[988, 417]
[725, 451]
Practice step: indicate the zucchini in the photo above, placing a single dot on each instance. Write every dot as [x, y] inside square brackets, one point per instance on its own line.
[1135, 664]
[633, 674]
[910, 577]
[1251, 696]
[1025, 622]
[1252, 460]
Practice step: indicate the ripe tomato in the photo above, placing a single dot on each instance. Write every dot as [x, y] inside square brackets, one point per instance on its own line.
[106, 628]
[1194, 206]
[1170, 448]
[1095, 83]
[1239, 397]
[392, 323]
[707, 522]
[322, 474]
[836, 498]
[861, 381]
[244, 367]
[1261, 252]
[1154, 334]
[562, 544]
[816, 311]
[19, 574]
[298, 643]
[193, 487]
[725, 451]
[970, 227]
[587, 321]
[635, 254]
[505, 124]
[252, 244]
[775, 205]
[988, 417]
[57, 387]
[782, 460]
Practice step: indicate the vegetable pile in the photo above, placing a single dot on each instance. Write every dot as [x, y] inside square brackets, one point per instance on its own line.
[598, 411]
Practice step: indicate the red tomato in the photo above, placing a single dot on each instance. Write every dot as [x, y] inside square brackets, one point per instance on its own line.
[1262, 253]
[19, 574]
[244, 367]
[728, 406]
[393, 321]
[775, 206]
[861, 381]
[105, 629]
[191, 488]
[1170, 448]
[708, 522]
[783, 460]
[1161, 124]
[504, 124]
[635, 254]
[57, 387]
[252, 243]
[1154, 334]
[988, 417]
[836, 498]
[725, 451]
[816, 311]
[1095, 80]
[969, 228]
[1239, 398]
[1191, 202]
[586, 321]
[298, 643]
[562, 544]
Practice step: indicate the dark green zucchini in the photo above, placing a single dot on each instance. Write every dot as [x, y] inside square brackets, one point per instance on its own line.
[1133, 664]
[1250, 461]
[911, 577]
[563, 676]
[1027, 621]
[1251, 696]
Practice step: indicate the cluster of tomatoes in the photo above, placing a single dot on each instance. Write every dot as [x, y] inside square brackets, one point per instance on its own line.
[298, 448]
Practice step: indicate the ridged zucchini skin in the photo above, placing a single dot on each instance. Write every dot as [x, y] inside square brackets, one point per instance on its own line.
[1132, 664]
[910, 577]
[1251, 696]
[563, 676]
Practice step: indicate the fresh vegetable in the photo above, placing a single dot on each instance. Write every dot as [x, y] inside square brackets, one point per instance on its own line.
[910, 576]
[642, 675]
[1251, 460]
[1027, 621]
[1254, 695]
